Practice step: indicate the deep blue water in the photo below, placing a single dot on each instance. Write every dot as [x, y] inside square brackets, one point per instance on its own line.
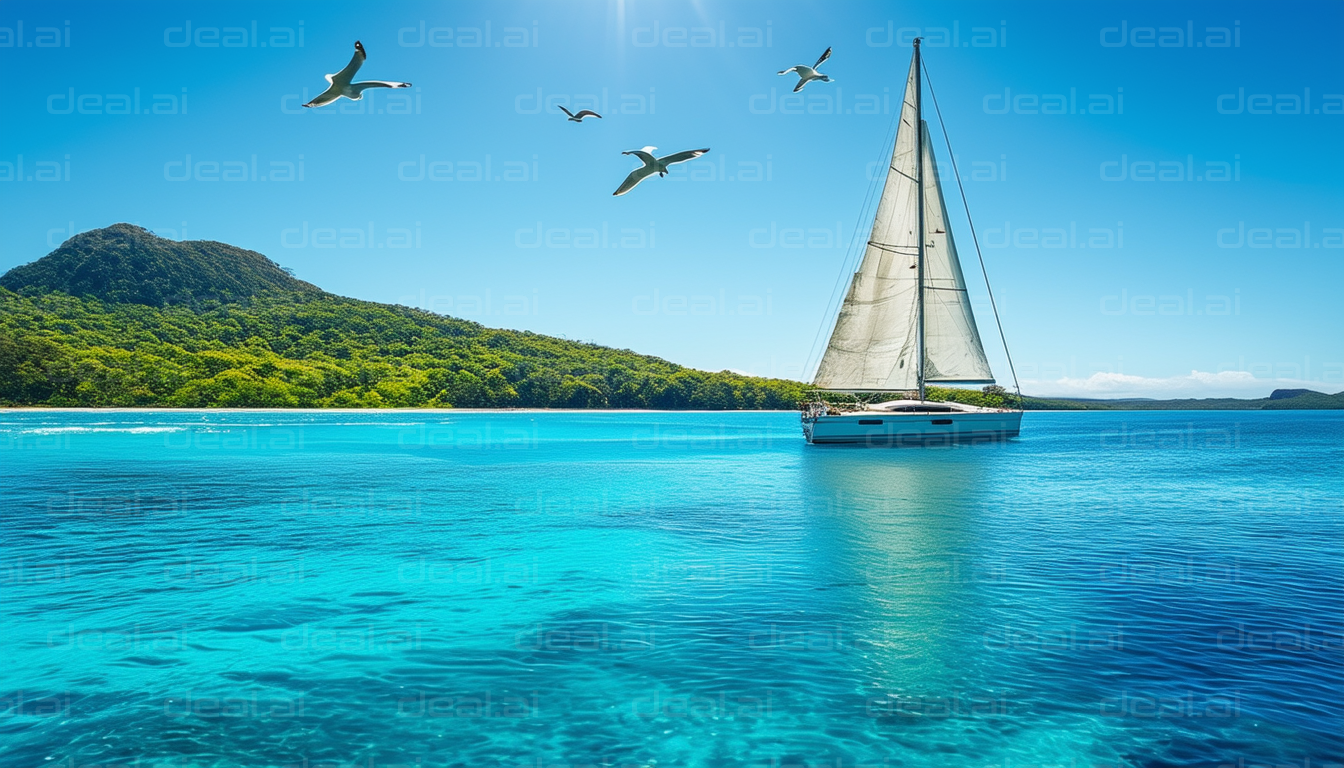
[523, 589]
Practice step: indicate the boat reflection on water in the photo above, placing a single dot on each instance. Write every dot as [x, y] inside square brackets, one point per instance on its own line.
[932, 587]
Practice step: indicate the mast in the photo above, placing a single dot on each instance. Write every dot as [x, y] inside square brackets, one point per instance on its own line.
[919, 195]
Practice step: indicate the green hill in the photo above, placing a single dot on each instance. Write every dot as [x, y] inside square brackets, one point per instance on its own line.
[124, 263]
[120, 317]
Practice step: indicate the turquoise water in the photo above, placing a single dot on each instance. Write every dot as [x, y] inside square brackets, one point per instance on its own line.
[548, 589]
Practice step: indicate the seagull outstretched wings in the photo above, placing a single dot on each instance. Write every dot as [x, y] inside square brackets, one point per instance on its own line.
[807, 74]
[582, 114]
[653, 165]
[340, 83]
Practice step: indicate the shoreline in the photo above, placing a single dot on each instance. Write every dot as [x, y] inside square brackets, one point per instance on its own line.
[446, 411]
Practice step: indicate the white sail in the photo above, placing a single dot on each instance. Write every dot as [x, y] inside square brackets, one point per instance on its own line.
[874, 346]
[953, 353]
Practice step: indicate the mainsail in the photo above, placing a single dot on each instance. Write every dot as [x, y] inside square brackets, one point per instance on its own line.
[875, 344]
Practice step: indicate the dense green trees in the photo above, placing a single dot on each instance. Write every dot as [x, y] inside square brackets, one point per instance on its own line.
[308, 350]
[120, 317]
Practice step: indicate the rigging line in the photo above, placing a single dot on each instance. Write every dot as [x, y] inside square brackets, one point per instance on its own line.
[896, 249]
[983, 271]
[845, 269]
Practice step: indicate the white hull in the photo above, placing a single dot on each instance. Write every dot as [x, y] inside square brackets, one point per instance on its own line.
[886, 427]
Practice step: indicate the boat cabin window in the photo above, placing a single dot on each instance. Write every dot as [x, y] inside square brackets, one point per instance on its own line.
[923, 409]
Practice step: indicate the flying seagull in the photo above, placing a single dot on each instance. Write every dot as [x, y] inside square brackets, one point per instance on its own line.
[341, 85]
[807, 74]
[653, 165]
[573, 118]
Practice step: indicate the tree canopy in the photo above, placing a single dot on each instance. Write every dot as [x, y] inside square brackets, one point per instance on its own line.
[119, 317]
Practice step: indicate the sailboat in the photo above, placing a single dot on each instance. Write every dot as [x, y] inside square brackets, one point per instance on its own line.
[906, 320]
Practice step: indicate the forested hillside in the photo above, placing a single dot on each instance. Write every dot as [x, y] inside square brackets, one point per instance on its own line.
[119, 317]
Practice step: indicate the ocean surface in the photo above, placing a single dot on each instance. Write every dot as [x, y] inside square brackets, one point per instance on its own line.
[673, 589]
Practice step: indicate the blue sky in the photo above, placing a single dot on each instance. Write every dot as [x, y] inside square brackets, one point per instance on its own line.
[1157, 186]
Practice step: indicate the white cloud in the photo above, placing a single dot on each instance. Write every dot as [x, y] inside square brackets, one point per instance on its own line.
[1195, 384]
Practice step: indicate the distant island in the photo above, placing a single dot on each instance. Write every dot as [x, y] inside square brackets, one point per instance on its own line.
[118, 317]
[1278, 400]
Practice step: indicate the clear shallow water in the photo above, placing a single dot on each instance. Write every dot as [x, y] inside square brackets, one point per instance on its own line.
[426, 589]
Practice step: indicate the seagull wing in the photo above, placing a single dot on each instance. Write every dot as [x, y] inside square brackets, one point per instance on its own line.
[585, 113]
[326, 97]
[801, 83]
[824, 57]
[566, 111]
[643, 155]
[682, 157]
[636, 176]
[346, 75]
[359, 88]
